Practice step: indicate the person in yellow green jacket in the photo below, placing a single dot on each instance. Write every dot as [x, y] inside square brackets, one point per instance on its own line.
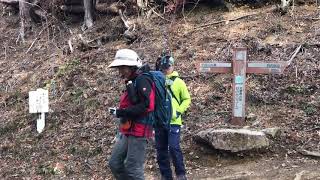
[168, 140]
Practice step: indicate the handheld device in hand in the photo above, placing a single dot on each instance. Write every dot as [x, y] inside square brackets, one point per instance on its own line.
[112, 111]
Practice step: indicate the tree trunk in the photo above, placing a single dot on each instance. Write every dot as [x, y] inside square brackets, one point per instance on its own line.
[285, 4]
[24, 8]
[88, 12]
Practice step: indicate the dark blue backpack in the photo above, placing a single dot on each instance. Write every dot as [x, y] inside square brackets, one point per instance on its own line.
[163, 107]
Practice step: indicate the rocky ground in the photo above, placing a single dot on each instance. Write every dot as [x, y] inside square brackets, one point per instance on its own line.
[77, 140]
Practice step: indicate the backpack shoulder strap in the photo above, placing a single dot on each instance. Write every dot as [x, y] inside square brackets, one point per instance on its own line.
[173, 78]
[170, 89]
[148, 75]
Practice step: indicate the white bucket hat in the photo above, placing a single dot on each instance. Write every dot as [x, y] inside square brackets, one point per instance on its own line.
[126, 57]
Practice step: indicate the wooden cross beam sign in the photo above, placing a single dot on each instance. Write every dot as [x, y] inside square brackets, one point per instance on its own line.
[239, 67]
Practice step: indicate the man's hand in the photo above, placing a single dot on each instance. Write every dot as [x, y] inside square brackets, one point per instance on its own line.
[113, 111]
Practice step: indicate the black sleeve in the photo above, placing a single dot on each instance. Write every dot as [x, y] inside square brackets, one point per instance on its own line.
[144, 88]
[132, 93]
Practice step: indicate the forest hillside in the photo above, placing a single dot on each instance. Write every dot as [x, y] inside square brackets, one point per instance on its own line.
[72, 64]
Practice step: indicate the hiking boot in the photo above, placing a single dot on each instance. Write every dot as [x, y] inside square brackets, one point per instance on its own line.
[181, 177]
[164, 178]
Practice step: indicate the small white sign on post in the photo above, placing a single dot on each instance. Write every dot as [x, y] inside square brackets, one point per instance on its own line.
[39, 103]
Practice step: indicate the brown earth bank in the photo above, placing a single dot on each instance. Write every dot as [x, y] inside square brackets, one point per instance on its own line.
[77, 140]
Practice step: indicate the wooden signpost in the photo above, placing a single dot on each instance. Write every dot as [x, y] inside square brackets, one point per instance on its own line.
[239, 67]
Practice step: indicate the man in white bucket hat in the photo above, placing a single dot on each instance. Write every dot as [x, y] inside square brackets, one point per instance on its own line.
[135, 113]
[126, 57]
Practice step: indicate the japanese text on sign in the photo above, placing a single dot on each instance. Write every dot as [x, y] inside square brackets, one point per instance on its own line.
[38, 101]
[238, 101]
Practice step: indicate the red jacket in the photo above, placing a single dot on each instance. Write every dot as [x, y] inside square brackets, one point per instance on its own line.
[139, 113]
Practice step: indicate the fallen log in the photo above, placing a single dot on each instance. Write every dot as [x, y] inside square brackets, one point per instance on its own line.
[310, 153]
[38, 15]
[114, 8]
[72, 9]
[10, 1]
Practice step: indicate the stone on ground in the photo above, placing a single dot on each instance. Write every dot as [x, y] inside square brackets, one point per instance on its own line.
[233, 140]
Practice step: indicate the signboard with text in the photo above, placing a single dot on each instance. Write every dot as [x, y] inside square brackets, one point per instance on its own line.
[39, 103]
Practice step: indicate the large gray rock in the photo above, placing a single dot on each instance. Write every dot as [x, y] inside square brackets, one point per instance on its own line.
[233, 139]
[273, 132]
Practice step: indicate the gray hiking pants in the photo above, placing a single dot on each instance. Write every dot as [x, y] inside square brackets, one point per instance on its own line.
[127, 158]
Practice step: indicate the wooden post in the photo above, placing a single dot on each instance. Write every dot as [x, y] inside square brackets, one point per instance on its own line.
[239, 63]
